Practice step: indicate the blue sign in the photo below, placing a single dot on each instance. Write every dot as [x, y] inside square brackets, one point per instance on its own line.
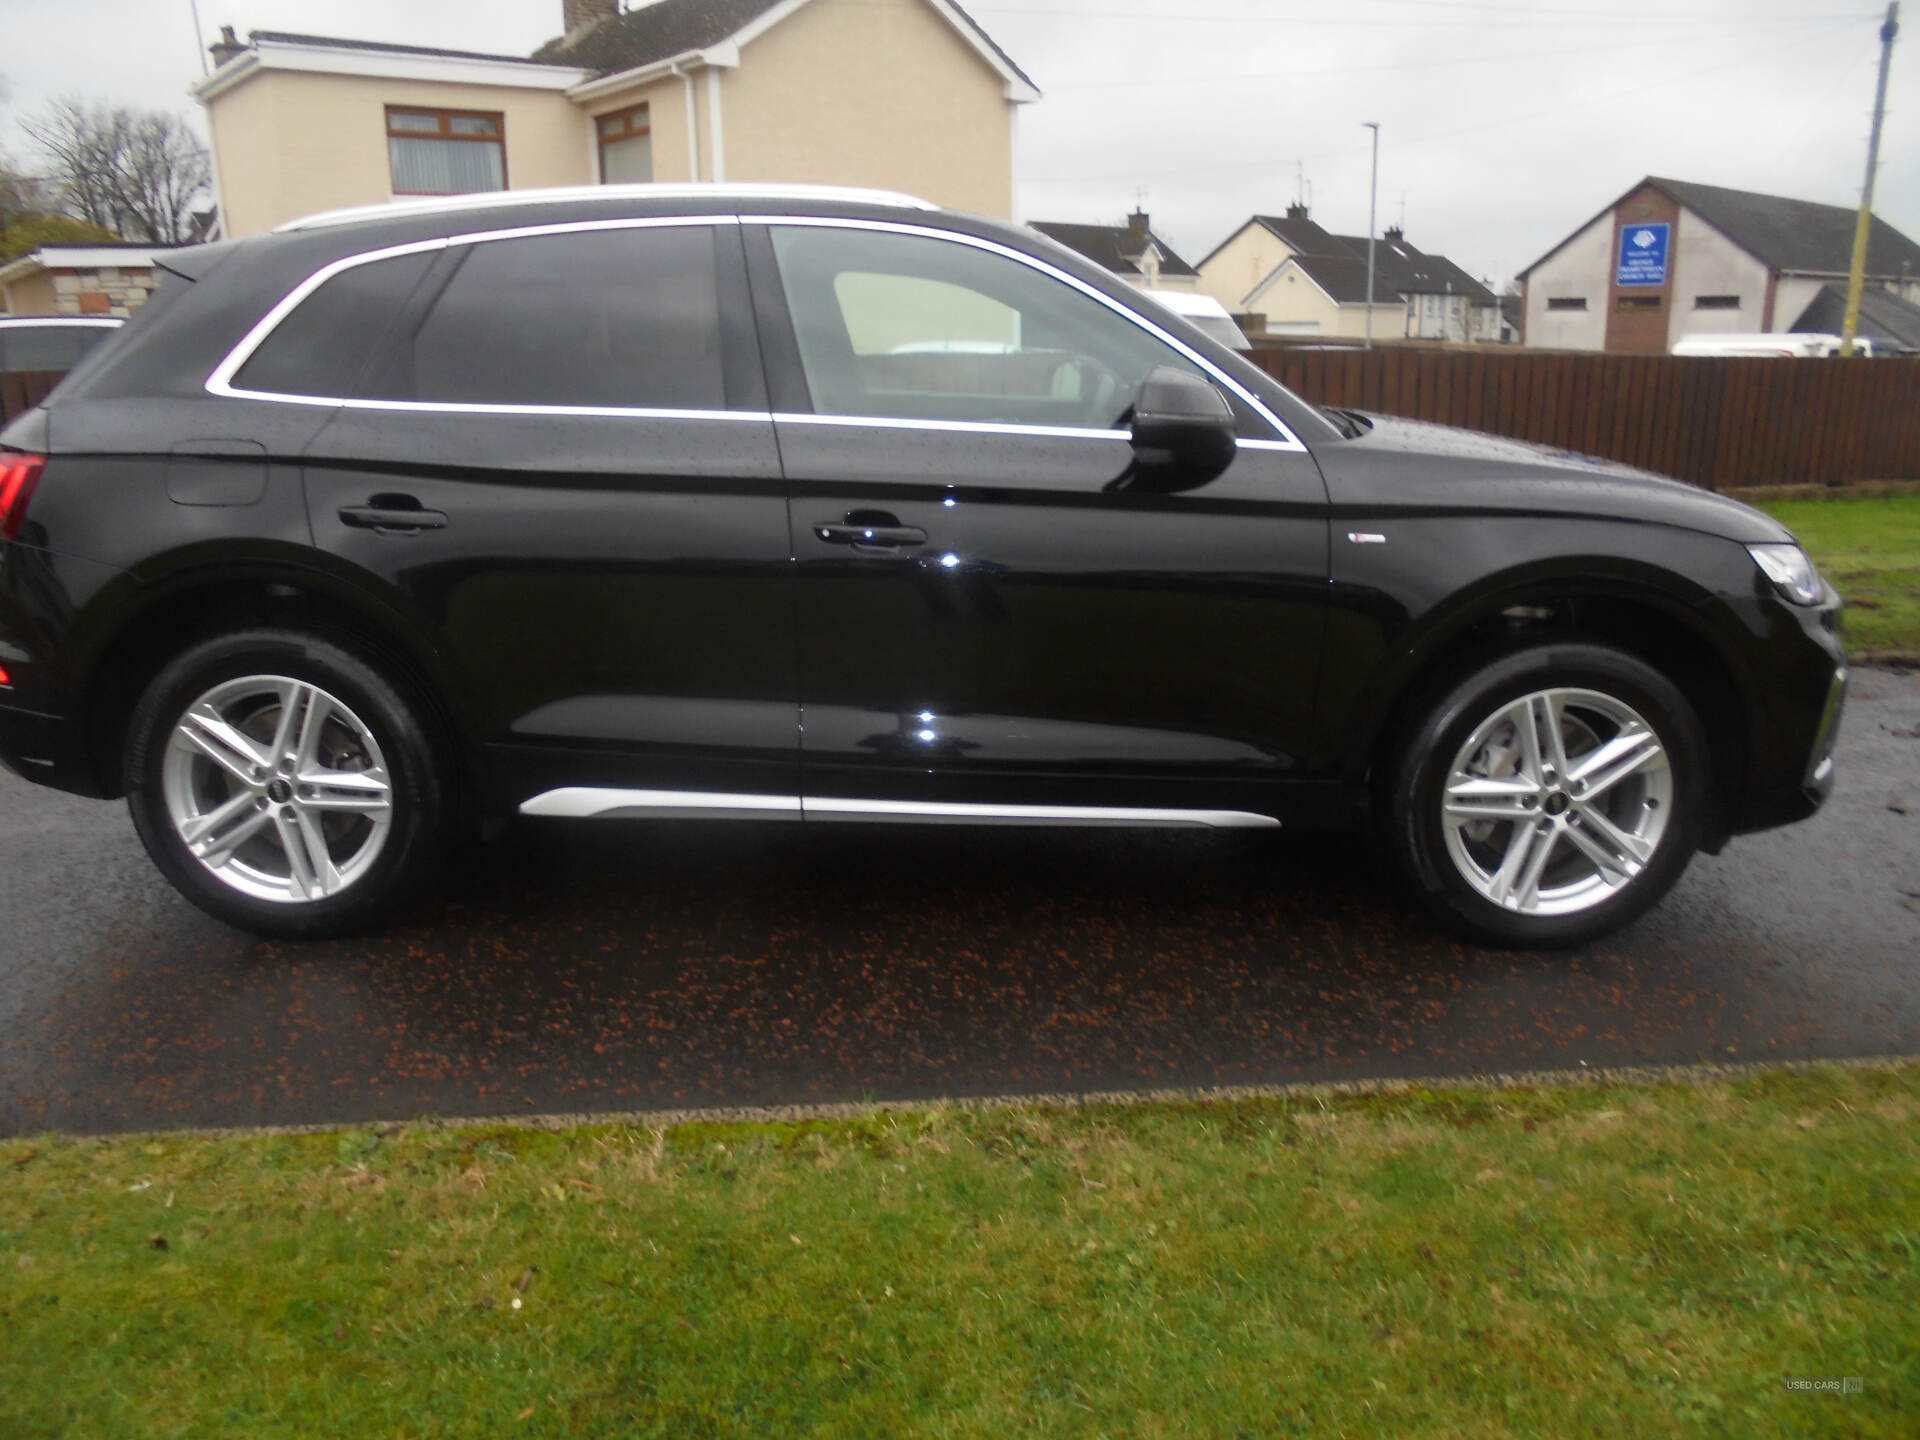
[1643, 254]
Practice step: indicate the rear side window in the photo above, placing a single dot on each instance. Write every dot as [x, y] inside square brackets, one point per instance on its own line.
[47, 347]
[322, 348]
[607, 319]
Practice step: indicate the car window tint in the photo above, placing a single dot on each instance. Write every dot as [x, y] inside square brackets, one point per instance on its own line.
[323, 346]
[47, 347]
[626, 319]
[909, 326]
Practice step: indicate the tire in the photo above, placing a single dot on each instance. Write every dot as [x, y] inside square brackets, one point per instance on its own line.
[1507, 847]
[278, 854]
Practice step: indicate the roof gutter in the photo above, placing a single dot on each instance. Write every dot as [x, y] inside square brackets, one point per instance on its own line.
[725, 55]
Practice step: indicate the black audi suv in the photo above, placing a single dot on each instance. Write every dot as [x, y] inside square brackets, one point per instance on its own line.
[782, 503]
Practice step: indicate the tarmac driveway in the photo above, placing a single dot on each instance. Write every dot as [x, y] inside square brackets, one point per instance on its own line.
[628, 967]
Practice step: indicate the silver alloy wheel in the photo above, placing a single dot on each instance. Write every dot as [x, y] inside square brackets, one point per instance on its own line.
[278, 788]
[1557, 801]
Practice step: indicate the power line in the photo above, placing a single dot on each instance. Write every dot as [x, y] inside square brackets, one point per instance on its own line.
[1418, 139]
[1440, 62]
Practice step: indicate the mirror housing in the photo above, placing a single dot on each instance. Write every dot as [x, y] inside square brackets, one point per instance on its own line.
[1183, 432]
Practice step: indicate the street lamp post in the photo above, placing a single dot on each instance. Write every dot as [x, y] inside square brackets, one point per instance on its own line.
[1373, 206]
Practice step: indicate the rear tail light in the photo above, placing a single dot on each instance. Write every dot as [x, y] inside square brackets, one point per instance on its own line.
[18, 475]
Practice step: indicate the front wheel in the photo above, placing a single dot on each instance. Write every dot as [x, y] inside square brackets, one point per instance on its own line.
[1549, 796]
[284, 784]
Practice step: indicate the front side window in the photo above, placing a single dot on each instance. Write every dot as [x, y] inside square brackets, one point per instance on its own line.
[914, 327]
[626, 147]
[446, 152]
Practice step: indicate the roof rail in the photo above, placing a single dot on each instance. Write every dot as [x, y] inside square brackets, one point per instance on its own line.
[506, 199]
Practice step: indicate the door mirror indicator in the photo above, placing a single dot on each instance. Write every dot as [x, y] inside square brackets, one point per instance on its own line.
[1183, 433]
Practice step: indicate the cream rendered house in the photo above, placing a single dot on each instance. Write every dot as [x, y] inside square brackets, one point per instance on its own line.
[895, 94]
[1300, 279]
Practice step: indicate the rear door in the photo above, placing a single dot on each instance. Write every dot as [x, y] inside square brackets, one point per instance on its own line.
[985, 617]
[557, 458]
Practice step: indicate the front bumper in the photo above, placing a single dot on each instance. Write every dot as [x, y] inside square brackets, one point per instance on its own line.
[1807, 664]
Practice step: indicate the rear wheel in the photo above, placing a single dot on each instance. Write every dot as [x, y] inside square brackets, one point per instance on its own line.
[284, 784]
[1549, 796]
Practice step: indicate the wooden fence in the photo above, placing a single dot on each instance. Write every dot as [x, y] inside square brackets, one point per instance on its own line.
[23, 389]
[1721, 423]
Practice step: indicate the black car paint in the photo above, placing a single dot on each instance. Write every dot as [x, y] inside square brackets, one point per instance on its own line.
[648, 602]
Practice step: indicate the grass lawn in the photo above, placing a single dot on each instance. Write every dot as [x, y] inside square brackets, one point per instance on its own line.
[1615, 1261]
[1870, 550]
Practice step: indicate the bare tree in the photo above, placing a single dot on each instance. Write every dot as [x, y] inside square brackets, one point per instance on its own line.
[135, 172]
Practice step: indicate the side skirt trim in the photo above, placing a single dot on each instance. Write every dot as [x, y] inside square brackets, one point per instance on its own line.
[588, 802]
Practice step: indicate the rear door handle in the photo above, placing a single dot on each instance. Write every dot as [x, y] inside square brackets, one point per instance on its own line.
[393, 513]
[869, 530]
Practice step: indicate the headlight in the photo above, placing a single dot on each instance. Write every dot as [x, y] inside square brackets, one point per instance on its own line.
[1791, 572]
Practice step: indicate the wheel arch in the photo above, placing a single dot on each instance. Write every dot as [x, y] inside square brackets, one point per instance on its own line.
[188, 603]
[1674, 632]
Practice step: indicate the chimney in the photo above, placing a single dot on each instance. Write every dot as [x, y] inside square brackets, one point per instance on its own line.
[1296, 211]
[229, 46]
[1137, 223]
[1395, 235]
[583, 15]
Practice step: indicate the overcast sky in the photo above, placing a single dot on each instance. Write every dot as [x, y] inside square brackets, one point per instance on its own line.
[1504, 124]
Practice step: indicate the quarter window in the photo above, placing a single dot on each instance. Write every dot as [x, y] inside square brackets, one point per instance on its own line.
[323, 347]
[446, 152]
[626, 147]
[622, 319]
[912, 327]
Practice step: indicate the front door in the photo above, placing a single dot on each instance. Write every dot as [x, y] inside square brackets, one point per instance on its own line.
[984, 620]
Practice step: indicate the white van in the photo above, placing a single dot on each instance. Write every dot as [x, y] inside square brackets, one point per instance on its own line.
[1785, 344]
[1204, 313]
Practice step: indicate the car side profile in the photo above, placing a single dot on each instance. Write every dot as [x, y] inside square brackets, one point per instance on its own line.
[784, 503]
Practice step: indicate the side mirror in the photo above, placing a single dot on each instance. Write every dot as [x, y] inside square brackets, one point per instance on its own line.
[1183, 433]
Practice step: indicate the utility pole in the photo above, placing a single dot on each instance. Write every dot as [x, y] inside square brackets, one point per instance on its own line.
[199, 40]
[1857, 273]
[1373, 208]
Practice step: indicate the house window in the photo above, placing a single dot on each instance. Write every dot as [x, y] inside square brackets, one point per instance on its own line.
[626, 147]
[1566, 302]
[446, 152]
[1716, 302]
[1638, 302]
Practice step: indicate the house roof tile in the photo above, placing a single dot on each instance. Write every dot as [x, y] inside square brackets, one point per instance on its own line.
[658, 31]
[1793, 234]
[1892, 323]
[1115, 247]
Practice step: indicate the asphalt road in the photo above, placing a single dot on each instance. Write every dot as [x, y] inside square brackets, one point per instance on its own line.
[633, 967]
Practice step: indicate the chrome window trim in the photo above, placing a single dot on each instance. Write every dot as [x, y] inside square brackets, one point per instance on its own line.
[220, 382]
[97, 322]
[1287, 441]
[582, 802]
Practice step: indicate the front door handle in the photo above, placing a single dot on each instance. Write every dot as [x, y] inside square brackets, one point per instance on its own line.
[871, 530]
[392, 513]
